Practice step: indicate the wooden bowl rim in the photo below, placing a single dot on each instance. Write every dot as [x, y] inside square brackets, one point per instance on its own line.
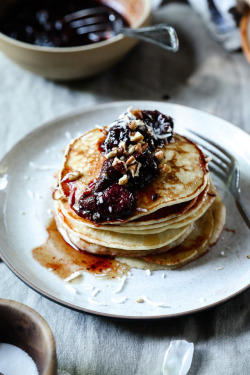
[34, 316]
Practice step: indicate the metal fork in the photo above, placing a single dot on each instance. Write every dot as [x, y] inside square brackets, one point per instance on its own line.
[95, 20]
[226, 167]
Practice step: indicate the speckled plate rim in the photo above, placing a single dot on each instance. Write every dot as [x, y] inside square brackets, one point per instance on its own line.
[61, 302]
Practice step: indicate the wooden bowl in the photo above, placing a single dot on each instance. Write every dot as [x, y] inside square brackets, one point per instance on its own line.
[25, 328]
[68, 63]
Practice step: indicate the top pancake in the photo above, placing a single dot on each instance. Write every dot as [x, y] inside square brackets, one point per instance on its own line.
[186, 180]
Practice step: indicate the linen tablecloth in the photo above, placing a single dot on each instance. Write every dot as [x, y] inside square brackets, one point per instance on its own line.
[201, 75]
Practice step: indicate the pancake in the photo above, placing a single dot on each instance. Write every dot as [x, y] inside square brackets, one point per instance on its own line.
[124, 241]
[78, 243]
[170, 214]
[189, 249]
[193, 214]
[205, 234]
[136, 189]
[186, 180]
[219, 218]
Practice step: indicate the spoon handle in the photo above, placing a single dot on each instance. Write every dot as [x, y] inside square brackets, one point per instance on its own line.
[163, 35]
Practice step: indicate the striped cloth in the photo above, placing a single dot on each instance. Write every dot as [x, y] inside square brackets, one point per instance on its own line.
[220, 21]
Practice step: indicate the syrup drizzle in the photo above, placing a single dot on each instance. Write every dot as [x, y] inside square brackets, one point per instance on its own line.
[59, 257]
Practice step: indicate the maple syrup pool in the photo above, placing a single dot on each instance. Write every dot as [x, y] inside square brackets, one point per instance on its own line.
[62, 259]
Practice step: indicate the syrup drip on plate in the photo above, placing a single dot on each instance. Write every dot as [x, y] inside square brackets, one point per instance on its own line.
[59, 257]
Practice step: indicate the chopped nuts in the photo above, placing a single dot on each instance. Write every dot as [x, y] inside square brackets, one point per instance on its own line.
[72, 176]
[119, 165]
[115, 162]
[134, 169]
[140, 300]
[138, 148]
[112, 153]
[164, 168]
[137, 137]
[122, 145]
[132, 125]
[135, 124]
[137, 113]
[144, 146]
[159, 155]
[123, 180]
[130, 160]
[131, 149]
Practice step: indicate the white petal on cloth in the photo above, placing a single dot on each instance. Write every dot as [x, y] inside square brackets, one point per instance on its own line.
[178, 358]
[219, 21]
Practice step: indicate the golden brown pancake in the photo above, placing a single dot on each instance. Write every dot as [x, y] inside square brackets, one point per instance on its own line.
[123, 241]
[79, 243]
[205, 234]
[186, 180]
[175, 217]
[189, 217]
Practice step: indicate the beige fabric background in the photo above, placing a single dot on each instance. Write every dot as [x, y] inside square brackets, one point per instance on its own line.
[201, 75]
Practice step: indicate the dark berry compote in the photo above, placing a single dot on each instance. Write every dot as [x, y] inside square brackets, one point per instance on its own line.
[132, 147]
[61, 23]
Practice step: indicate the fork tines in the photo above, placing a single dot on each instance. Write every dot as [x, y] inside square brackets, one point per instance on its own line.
[84, 13]
[222, 162]
[226, 167]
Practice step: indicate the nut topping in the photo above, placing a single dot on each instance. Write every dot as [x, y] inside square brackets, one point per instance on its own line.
[131, 149]
[72, 176]
[112, 153]
[132, 125]
[130, 160]
[134, 169]
[144, 146]
[137, 137]
[159, 155]
[137, 113]
[123, 180]
[119, 165]
[135, 124]
[138, 148]
[140, 300]
[122, 146]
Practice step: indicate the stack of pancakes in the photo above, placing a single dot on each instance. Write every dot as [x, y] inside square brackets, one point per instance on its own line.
[177, 217]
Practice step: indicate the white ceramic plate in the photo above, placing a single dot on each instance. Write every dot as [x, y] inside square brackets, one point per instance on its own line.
[215, 278]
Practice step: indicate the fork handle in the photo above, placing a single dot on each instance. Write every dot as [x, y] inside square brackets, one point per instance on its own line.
[240, 205]
[163, 35]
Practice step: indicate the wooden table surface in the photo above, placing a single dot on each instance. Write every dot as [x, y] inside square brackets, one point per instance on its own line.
[201, 75]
